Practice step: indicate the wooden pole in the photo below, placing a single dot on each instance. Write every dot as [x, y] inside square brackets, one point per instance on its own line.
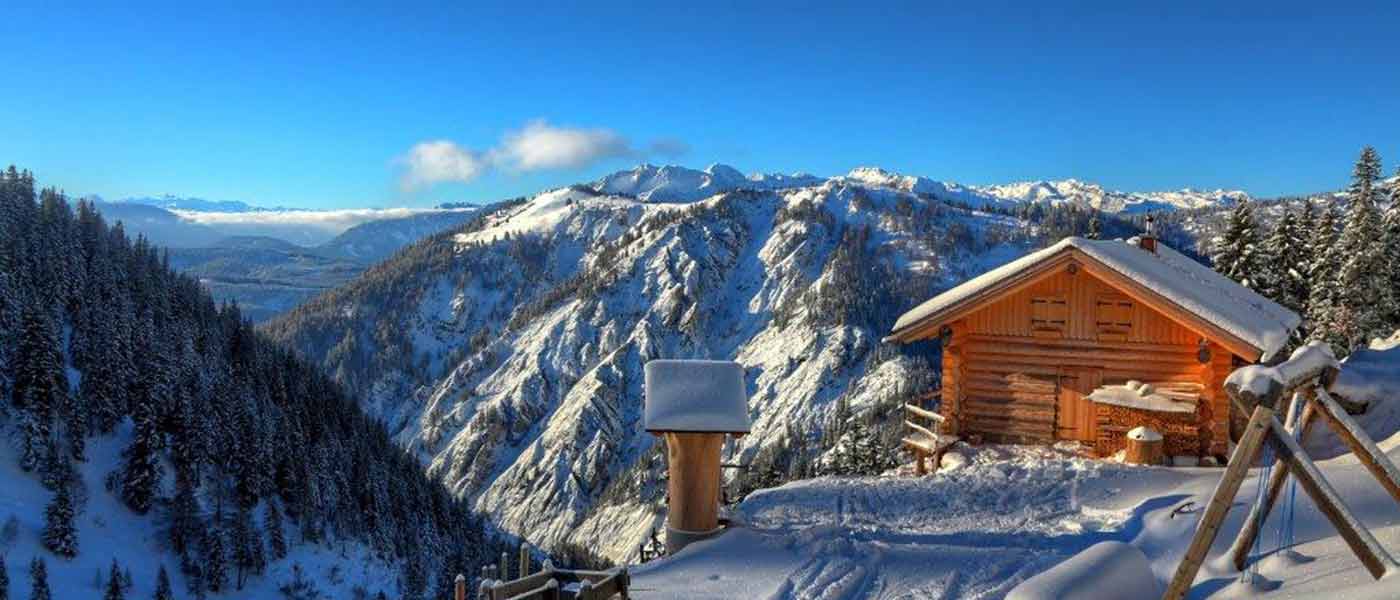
[693, 460]
[1249, 534]
[1359, 441]
[1362, 543]
[524, 560]
[1209, 526]
[460, 587]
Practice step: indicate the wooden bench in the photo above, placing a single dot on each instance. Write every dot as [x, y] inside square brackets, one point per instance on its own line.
[925, 441]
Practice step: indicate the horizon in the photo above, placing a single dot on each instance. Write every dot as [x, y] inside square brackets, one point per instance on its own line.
[307, 108]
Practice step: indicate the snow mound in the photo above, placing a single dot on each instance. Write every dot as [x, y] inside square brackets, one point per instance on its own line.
[1106, 571]
[1144, 434]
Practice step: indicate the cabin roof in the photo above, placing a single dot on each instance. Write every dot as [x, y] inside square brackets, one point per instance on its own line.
[1183, 283]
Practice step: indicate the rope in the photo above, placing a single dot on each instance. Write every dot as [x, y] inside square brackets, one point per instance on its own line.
[1285, 526]
[1261, 490]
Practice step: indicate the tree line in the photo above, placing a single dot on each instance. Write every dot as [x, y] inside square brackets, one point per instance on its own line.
[1335, 261]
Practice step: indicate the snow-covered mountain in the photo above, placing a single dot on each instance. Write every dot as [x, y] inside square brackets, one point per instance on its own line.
[679, 184]
[1095, 196]
[507, 354]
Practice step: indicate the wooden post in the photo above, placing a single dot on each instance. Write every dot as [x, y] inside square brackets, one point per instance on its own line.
[919, 463]
[524, 560]
[1244, 542]
[460, 589]
[1209, 526]
[1362, 543]
[505, 566]
[1360, 443]
[693, 460]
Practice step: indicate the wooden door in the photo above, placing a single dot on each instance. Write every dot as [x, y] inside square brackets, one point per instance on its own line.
[1074, 413]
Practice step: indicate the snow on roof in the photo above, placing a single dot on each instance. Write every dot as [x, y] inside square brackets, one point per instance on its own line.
[1194, 287]
[696, 395]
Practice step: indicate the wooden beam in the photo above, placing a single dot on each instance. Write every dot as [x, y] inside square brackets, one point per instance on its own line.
[1362, 543]
[1249, 534]
[1209, 526]
[927, 414]
[1359, 441]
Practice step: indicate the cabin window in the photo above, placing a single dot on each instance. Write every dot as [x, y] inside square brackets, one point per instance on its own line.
[1049, 316]
[1113, 317]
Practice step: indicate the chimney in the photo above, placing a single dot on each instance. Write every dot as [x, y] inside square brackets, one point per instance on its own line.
[1148, 241]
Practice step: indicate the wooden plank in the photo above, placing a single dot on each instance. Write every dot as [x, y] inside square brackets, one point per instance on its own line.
[1359, 441]
[1249, 534]
[1362, 543]
[920, 429]
[1209, 525]
[927, 414]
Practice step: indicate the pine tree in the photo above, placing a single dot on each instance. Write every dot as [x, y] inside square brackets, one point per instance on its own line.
[141, 470]
[1284, 255]
[1390, 249]
[248, 555]
[183, 517]
[1324, 259]
[4, 579]
[1095, 227]
[163, 591]
[1360, 283]
[114, 584]
[39, 386]
[215, 566]
[1236, 252]
[276, 538]
[60, 533]
[39, 580]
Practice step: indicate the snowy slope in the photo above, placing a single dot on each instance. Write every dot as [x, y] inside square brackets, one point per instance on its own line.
[978, 530]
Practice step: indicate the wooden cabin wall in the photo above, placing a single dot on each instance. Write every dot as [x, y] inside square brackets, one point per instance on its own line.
[1003, 383]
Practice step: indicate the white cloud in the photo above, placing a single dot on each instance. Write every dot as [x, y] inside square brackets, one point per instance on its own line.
[538, 146]
[439, 161]
[541, 146]
[307, 227]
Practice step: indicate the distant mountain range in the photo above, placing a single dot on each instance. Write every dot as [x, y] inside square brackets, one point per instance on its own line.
[679, 184]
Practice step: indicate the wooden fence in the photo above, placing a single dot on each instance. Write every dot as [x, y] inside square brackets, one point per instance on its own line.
[551, 584]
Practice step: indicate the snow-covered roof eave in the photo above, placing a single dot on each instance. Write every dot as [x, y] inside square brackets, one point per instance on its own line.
[1192, 287]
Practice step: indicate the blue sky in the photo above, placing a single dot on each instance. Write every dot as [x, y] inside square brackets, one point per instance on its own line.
[323, 106]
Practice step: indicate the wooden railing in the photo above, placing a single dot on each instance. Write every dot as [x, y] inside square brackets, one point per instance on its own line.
[551, 584]
[925, 441]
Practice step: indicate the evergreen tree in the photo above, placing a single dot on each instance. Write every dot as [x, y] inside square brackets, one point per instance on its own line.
[141, 470]
[163, 591]
[1390, 249]
[215, 565]
[1324, 259]
[60, 533]
[183, 517]
[248, 557]
[1095, 227]
[39, 385]
[4, 579]
[1285, 261]
[1236, 253]
[114, 584]
[276, 539]
[39, 580]
[1362, 288]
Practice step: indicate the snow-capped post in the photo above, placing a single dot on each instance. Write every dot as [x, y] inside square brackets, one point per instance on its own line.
[694, 404]
[460, 587]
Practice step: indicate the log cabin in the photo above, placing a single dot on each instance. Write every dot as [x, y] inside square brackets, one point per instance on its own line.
[1087, 339]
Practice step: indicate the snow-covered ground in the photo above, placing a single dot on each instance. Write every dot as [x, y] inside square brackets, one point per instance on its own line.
[1011, 512]
[996, 515]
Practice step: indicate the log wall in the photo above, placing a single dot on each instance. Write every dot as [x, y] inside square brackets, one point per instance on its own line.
[1002, 380]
